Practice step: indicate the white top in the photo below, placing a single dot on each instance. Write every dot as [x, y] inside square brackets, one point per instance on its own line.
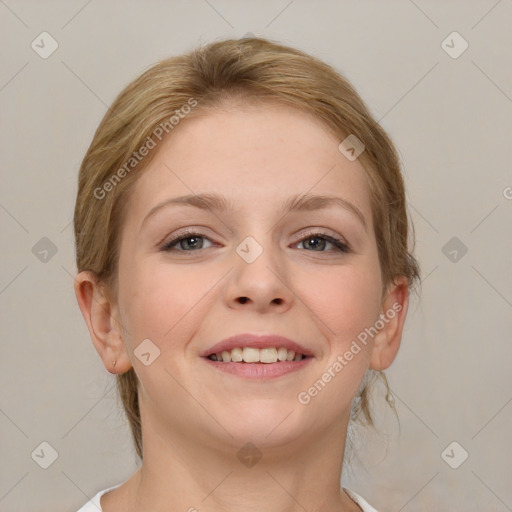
[93, 505]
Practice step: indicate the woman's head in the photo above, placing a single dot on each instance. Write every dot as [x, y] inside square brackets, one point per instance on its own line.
[257, 123]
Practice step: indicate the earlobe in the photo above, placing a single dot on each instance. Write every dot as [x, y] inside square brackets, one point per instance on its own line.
[392, 318]
[104, 329]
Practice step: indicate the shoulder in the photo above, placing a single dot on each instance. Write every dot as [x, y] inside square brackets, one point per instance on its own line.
[365, 506]
[93, 505]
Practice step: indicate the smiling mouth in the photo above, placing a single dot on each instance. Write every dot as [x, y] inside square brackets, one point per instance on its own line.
[254, 355]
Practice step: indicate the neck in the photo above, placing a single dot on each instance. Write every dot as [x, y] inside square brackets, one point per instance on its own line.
[187, 475]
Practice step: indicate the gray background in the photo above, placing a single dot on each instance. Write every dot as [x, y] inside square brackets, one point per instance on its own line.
[451, 119]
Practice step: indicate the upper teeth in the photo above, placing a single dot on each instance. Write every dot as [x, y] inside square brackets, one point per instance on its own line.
[255, 355]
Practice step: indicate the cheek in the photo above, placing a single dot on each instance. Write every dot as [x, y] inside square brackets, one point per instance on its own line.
[345, 301]
[344, 305]
[156, 301]
[165, 302]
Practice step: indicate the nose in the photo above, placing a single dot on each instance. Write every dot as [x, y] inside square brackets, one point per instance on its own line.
[262, 284]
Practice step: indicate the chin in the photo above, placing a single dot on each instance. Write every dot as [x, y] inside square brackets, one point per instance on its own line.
[265, 424]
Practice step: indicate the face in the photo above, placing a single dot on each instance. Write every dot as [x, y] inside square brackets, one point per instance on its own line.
[311, 275]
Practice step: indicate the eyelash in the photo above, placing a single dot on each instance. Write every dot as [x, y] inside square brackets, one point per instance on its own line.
[339, 244]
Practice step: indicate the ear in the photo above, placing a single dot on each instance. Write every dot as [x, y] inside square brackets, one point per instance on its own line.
[393, 312]
[102, 318]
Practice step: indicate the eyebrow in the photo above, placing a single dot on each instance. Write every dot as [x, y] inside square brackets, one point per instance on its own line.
[299, 202]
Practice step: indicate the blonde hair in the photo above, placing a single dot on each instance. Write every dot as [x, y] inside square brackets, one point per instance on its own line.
[229, 70]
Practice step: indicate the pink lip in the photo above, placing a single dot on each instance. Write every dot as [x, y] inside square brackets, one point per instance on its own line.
[257, 341]
[259, 370]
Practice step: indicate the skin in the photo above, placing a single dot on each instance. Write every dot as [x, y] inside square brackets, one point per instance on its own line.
[195, 419]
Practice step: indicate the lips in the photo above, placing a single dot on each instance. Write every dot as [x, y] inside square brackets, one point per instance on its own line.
[258, 341]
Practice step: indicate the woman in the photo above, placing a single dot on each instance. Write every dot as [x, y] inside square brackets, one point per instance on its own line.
[244, 269]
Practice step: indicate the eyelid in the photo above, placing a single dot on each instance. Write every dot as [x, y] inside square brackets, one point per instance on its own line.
[181, 234]
[338, 241]
[323, 231]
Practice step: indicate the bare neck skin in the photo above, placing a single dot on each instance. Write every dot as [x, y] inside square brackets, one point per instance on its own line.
[184, 475]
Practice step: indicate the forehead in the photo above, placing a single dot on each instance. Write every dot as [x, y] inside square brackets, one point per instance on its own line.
[253, 154]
